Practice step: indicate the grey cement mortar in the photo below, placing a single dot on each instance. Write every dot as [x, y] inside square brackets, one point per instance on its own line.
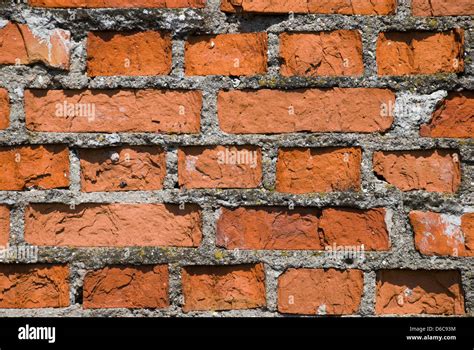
[422, 92]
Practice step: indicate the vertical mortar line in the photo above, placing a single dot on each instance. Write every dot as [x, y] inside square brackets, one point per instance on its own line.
[269, 160]
[367, 303]
[176, 296]
[273, 53]
[210, 216]
[171, 156]
[209, 114]
[271, 286]
[74, 172]
[370, 35]
[403, 10]
[177, 58]
[17, 223]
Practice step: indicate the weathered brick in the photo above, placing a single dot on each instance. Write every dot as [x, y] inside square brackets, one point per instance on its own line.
[227, 54]
[454, 117]
[419, 292]
[305, 170]
[4, 109]
[355, 227]
[20, 45]
[127, 287]
[128, 53]
[223, 287]
[410, 53]
[312, 110]
[41, 166]
[322, 54]
[4, 225]
[113, 111]
[343, 7]
[220, 167]
[269, 228]
[34, 286]
[113, 225]
[443, 234]
[122, 169]
[320, 292]
[443, 7]
[119, 3]
[428, 170]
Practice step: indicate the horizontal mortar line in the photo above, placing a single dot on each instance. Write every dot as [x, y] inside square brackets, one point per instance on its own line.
[370, 142]
[231, 193]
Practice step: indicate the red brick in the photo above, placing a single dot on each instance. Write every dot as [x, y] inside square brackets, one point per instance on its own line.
[320, 292]
[42, 167]
[401, 292]
[443, 8]
[343, 7]
[128, 53]
[268, 228]
[227, 54]
[122, 169]
[34, 286]
[325, 53]
[127, 287]
[220, 167]
[367, 227]
[19, 45]
[454, 117]
[443, 234]
[305, 170]
[113, 111]
[119, 3]
[271, 228]
[113, 225]
[4, 109]
[4, 225]
[223, 287]
[312, 110]
[410, 53]
[430, 170]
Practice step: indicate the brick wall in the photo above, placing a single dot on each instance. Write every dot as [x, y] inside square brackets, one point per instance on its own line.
[171, 157]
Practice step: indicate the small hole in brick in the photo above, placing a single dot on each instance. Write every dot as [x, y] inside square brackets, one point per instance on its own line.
[123, 184]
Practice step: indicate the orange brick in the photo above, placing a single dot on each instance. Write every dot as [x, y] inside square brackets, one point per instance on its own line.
[325, 53]
[220, 167]
[4, 109]
[411, 53]
[42, 167]
[443, 7]
[402, 292]
[313, 110]
[122, 169]
[4, 225]
[430, 170]
[127, 287]
[223, 287]
[443, 234]
[227, 54]
[113, 111]
[34, 286]
[128, 53]
[454, 117]
[343, 7]
[113, 225]
[320, 292]
[305, 170]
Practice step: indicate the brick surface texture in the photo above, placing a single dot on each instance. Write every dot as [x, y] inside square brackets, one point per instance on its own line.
[237, 158]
